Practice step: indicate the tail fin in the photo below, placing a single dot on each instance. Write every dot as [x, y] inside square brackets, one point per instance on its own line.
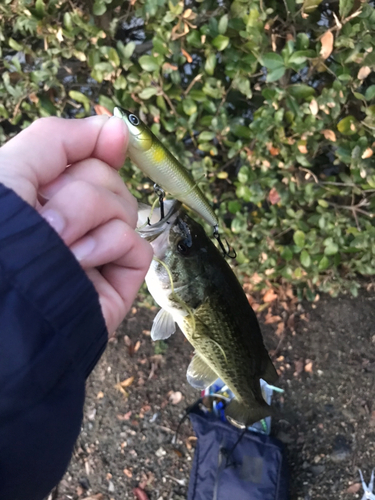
[241, 416]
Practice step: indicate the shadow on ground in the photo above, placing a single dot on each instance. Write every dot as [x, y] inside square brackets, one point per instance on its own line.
[327, 416]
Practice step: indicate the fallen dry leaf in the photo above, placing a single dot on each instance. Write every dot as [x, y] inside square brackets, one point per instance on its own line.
[140, 494]
[354, 488]
[271, 319]
[308, 366]
[187, 55]
[363, 72]
[274, 196]
[101, 110]
[127, 341]
[127, 382]
[128, 473]
[302, 148]
[314, 108]
[137, 346]
[280, 329]
[329, 135]
[327, 44]
[170, 66]
[367, 153]
[175, 397]
[126, 416]
[273, 151]
[98, 496]
[100, 395]
[298, 366]
[269, 296]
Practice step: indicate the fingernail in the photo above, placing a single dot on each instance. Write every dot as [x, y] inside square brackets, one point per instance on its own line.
[54, 219]
[99, 119]
[83, 248]
[116, 122]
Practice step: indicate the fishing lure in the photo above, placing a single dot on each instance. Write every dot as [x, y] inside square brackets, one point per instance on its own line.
[153, 158]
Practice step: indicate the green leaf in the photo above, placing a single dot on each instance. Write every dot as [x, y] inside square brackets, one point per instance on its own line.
[345, 6]
[148, 63]
[331, 249]
[147, 93]
[189, 106]
[15, 45]
[79, 97]
[272, 61]
[305, 259]
[287, 254]
[234, 206]
[99, 8]
[370, 93]
[323, 263]
[206, 136]
[40, 8]
[210, 64]
[323, 203]
[223, 24]
[220, 42]
[301, 91]
[347, 126]
[129, 49]
[242, 131]
[275, 74]
[297, 57]
[113, 57]
[299, 238]
[310, 6]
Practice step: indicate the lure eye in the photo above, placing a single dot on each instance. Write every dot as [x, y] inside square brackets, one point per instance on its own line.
[134, 120]
[183, 248]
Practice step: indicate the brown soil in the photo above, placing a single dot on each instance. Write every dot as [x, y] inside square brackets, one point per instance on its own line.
[327, 416]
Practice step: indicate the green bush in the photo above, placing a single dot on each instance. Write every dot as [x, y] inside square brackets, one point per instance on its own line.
[272, 104]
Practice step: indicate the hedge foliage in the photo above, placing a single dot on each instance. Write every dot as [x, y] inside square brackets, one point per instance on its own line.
[270, 103]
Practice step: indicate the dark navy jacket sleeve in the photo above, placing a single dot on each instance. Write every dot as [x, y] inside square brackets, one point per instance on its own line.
[52, 333]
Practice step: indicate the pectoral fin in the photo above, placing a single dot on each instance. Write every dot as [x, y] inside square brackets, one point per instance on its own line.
[199, 374]
[163, 326]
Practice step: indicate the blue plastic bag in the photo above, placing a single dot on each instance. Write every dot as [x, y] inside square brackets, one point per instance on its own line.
[255, 470]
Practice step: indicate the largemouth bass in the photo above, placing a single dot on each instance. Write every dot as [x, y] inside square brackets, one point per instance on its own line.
[198, 290]
[149, 155]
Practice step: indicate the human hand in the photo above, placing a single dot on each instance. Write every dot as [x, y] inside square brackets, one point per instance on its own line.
[67, 170]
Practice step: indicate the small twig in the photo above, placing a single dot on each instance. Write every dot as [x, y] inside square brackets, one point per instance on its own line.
[224, 98]
[311, 173]
[192, 83]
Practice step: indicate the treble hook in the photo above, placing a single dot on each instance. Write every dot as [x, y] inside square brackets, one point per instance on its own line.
[160, 193]
[226, 252]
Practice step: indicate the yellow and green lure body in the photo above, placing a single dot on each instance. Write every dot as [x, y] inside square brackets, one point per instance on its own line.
[149, 155]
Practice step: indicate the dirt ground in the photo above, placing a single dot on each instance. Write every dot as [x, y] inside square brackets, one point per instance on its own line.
[327, 418]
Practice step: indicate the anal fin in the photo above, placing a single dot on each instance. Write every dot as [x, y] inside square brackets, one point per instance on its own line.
[163, 325]
[199, 374]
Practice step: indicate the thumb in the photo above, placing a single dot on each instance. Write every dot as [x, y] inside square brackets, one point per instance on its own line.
[41, 152]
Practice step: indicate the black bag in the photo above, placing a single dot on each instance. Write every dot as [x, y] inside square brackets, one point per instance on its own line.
[255, 470]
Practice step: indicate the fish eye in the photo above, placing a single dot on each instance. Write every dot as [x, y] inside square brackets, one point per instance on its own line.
[133, 120]
[183, 248]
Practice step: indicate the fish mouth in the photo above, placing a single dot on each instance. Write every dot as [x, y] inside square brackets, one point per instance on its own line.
[150, 227]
